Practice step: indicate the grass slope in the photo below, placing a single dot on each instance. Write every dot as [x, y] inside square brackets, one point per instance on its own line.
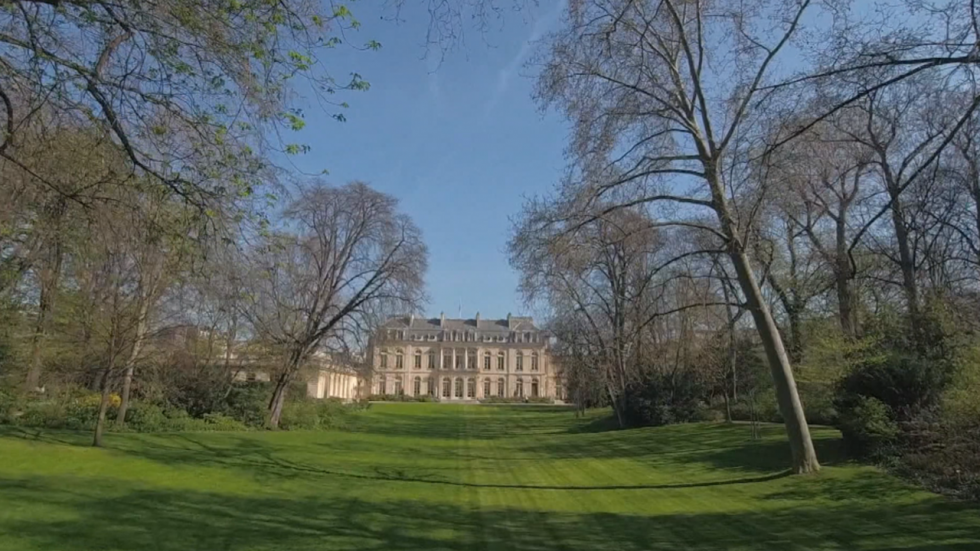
[429, 477]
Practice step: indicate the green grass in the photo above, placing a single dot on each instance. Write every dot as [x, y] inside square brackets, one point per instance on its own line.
[428, 477]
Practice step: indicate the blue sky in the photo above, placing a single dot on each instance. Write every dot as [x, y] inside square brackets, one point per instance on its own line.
[460, 144]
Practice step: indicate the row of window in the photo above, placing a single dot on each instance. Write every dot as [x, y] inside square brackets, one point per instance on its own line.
[466, 336]
[447, 360]
[452, 388]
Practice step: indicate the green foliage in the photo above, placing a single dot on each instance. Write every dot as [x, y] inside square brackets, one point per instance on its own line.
[868, 426]
[314, 415]
[248, 402]
[402, 398]
[905, 383]
[664, 399]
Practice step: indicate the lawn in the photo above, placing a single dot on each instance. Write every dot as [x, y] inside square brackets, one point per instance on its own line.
[429, 477]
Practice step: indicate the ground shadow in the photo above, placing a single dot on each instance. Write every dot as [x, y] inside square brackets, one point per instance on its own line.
[192, 520]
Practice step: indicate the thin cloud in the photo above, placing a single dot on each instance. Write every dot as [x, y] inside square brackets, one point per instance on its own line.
[506, 74]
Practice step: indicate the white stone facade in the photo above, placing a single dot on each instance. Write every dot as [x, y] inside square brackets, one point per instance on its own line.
[463, 359]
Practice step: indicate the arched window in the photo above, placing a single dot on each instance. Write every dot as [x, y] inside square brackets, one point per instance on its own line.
[399, 359]
[446, 387]
[430, 384]
[383, 385]
[384, 359]
[398, 386]
[486, 361]
[418, 359]
[534, 388]
[486, 388]
[432, 359]
[500, 387]
[471, 388]
[519, 388]
[520, 361]
[459, 387]
[418, 386]
[500, 361]
[534, 361]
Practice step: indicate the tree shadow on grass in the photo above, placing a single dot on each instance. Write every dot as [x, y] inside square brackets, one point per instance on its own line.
[94, 517]
[723, 446]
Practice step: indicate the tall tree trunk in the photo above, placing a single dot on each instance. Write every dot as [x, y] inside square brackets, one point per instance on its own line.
[801, 445]
[50, 276]
[843, 276]
[138, 340]
[103, 407]
[105, 384]
[282, 387]
[804, 456]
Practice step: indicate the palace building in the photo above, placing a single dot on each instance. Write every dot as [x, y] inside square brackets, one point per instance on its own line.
[463, 359]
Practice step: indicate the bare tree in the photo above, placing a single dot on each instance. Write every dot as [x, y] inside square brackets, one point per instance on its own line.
[351, 251]
[665, 94]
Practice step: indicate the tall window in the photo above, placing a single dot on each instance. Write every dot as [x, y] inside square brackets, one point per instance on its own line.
[486, 361]
[460, 357]
[399, 359]
[534, 361]
[500, 361]
[471, 388]
[534, 388]
[471, 359]
[384, 359]
[459, 387]
[398, 385]
[430, 384]
[418, 359]
[417, 387]
[500, 387]
[446, 384]
[383, 385]
[447, 359]
[486, 388]
[432, 359]
[520, 361]
[519, 388]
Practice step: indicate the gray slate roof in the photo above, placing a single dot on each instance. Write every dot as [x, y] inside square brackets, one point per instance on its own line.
[484, 325]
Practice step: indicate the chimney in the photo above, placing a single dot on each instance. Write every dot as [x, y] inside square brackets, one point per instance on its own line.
[478, 318]
[442, 319]
[508, 320]
[411, 319]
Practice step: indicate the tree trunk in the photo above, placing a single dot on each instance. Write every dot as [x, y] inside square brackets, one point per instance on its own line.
[907, 266]
[804, 457]
[279, 398]
[103, 407]
[843, 275]
[138, 338]
[801, 445]
[49, 283]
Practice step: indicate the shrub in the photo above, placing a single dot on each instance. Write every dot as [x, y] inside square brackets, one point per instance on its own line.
[663, 399]
[402, 398]
[248, 403]
[146, 417]
[906, 384]
[516, 400]
[868, 427]
[314, 415]
[219, 422]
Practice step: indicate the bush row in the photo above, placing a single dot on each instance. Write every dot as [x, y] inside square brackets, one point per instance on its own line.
[402, 398]
[244, 409]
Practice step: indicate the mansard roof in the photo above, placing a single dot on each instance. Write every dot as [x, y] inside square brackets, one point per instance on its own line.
[504, 325]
